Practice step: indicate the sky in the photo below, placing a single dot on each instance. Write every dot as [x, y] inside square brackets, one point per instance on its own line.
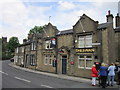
[17, 17]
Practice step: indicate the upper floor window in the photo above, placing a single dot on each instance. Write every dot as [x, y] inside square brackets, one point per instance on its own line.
[48, 44]
[17, 50]
[33, 45]
[85, 41]
[22, 49]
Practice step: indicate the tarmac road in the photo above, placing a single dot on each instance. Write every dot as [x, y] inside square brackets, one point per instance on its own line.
[18, 78]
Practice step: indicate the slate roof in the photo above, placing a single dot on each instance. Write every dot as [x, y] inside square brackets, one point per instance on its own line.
[69, 31]
[117, 29]
[103, 25]
[24, 44]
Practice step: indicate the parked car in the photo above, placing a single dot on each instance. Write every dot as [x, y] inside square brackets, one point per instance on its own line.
[12, 59]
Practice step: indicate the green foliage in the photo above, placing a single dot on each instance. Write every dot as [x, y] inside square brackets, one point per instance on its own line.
[36, 29]
[12, 44]
[8, 49]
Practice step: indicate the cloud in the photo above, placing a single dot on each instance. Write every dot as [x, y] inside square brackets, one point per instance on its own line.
[63, 5]
[16, 19]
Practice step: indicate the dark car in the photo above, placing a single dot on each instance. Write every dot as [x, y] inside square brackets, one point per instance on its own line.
[12, 59]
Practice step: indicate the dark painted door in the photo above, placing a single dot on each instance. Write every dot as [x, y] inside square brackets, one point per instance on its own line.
[27, 60]
[64, 64]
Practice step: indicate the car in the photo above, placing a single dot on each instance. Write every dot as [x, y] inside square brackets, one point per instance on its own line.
[12, 59]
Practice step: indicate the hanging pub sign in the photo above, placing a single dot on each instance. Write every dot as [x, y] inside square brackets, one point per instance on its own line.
[61, 51]
[53, 43]
[85, 50]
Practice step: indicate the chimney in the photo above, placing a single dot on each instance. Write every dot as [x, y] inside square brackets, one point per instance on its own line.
[24, 41]
[117, 19]
[109, 17]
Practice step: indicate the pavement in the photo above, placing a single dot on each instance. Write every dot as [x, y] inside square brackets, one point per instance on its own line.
[61, 76]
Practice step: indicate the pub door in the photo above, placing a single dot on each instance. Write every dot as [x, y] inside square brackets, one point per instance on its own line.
[64, 64]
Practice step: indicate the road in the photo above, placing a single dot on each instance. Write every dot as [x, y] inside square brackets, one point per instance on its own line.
[17, 78]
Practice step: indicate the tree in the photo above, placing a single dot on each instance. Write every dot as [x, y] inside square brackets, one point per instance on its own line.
[12, 44]
[37, 29]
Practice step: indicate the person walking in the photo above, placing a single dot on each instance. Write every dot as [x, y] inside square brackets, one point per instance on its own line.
[117, 72]
[94, 75]
[111, 74]
[103, 75]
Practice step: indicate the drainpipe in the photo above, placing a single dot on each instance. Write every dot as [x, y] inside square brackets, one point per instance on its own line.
[24, 57]
[36, 51]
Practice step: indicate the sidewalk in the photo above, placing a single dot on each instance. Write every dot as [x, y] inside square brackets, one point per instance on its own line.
[78, 79]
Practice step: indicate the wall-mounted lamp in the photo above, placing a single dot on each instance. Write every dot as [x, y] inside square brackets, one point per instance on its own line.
[75, 41]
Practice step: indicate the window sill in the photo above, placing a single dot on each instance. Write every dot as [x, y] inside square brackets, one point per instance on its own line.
[81, 67]
[88, 68]
[32, 50]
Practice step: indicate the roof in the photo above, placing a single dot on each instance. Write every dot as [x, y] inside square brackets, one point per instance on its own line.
[24, 44]
[83, 17]
[103, 25]
[65, 32]
[117, 29]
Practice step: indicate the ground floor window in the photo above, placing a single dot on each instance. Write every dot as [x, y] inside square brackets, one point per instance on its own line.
[48, 59]
[32, 59]
[84, 61]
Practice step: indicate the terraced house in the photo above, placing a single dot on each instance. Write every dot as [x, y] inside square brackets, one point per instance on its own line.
[72, 51]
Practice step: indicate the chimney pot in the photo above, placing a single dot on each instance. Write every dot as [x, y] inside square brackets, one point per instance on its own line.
[109, 12]
[117, 14]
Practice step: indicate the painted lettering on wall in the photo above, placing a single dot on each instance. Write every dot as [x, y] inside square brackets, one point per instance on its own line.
[85, 50]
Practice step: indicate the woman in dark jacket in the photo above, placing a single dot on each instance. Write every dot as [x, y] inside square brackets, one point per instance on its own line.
[103, 75]
[118, 74]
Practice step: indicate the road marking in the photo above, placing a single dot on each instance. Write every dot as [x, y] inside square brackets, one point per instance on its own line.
[46, 86]
[3, 72]
[22, 79]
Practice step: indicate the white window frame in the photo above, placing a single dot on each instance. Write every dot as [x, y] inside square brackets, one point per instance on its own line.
[22, 49]
[50, 58]
[83, 39]
[17, 50]
[89, 37]
[48, 42]
[33, 45]
[79, 61]
[32, 60]
[90, 59]
[47, 59]
[85, 59]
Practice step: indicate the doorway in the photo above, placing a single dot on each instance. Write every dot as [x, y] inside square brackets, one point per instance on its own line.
[64, 64]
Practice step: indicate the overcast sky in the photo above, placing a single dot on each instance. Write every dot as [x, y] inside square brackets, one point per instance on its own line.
[17, 17]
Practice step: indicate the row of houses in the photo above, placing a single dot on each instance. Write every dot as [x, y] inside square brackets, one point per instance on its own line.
[74, 51]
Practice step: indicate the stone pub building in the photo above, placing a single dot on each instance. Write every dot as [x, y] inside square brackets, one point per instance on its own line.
[74, 51]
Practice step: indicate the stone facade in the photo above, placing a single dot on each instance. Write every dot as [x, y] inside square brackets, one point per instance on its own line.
[74, 51]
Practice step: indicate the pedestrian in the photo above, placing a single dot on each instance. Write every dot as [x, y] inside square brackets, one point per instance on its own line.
[94, 75]
[103, 75]
[118, 74]
[111, 74]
